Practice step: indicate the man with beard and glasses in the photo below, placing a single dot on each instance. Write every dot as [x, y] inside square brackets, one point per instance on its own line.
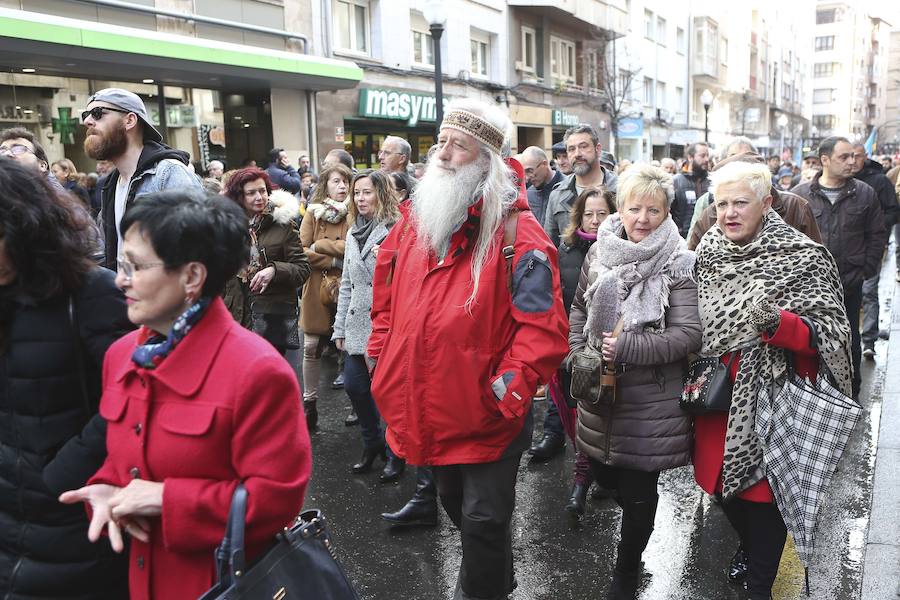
[467, 321]
[119, 131]
[583, 151]
[690, 185]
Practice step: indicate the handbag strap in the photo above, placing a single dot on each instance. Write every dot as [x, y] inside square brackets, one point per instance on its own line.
[230, 556]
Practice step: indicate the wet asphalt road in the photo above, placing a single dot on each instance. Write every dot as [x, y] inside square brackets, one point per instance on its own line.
[686, 558]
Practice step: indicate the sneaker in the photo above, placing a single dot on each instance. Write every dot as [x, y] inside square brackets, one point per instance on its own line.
[869, 353]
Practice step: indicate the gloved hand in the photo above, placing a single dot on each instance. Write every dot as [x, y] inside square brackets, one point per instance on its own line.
[764, 316]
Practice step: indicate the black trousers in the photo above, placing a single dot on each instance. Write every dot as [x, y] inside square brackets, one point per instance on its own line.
[763, 533]
[853, 303]
[636, 493]
[480, 499]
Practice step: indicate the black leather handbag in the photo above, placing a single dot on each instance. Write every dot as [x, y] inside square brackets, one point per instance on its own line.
[707, 386]
[301, 565]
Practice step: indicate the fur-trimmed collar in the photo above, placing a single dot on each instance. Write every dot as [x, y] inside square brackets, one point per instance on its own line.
[332, 211]
[283, 206]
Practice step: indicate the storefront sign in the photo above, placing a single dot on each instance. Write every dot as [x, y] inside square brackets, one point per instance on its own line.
[65, 125]
[631, 128]
[180, 115]
[565, 118]
[25, 114]
[401, 106]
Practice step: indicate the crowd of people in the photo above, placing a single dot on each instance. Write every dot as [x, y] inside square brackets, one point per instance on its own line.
[146, 317]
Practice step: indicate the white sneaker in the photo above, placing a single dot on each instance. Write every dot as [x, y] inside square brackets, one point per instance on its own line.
[869, 353]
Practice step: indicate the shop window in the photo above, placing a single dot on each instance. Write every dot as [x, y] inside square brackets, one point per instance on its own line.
[351, 25]
[562, 60]
[422, 44]
[528, 63]
[480, 46]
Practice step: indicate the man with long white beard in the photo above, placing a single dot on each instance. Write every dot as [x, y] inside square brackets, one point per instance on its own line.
[467, 320]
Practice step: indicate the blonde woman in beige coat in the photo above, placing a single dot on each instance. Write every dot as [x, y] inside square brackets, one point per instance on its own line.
[323, 235]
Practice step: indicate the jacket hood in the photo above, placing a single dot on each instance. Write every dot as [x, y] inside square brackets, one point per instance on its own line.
[521, 202]
[152, 153]
[283, 206]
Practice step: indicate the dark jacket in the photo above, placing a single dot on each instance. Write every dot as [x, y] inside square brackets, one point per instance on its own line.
[44, 550]
[688, 188]
[157, 169]
[792, 208]
[539, 197]
[562, 198]
[873, 174]
[571, 259]
[79, 192]
[286, 179]
[852, 229]
[644, 429]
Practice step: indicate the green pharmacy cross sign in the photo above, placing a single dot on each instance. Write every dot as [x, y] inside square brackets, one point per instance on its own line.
[65, 125]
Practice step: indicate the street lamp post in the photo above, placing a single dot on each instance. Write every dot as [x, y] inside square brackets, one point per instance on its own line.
[706, 98]
[437, 17]
[783, 123]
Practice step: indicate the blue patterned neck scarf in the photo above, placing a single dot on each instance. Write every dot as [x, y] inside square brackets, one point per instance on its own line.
[154, 347]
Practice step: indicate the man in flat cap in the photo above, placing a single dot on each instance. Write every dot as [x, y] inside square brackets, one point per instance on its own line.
[119, 130]
[467, 321]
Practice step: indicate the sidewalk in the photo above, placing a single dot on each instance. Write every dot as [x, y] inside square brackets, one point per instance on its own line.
[881, 568]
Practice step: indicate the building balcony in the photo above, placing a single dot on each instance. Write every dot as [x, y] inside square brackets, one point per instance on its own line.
[591, 13]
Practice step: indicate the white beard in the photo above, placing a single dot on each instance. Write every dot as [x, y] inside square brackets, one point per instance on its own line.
[441, 200]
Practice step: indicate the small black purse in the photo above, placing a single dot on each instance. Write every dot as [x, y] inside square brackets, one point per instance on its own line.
[300, 565]
[707, 386]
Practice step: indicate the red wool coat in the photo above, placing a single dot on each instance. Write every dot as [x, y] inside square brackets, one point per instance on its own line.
[441, 369]
[709, 430]
[223, 407]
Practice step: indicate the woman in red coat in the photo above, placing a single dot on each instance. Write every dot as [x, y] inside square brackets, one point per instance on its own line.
[769, 297]
[195, 404]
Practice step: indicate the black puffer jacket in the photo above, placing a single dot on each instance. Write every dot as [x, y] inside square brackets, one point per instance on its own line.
[571, 258]
[873, 174]
[44, 550]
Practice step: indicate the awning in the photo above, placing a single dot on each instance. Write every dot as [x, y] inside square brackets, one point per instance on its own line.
[75, 48]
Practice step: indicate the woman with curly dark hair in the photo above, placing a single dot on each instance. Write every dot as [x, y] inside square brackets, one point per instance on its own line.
[58, 315]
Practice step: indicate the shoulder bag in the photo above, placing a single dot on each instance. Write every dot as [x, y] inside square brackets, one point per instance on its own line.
[592, 378]
[707, 386]
[330, 287]
[301, 565]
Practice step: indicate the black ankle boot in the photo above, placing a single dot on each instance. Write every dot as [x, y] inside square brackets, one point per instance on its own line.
[422, 508]
[311, 414]
[577, 499]
[368, 457]
[624, 585]
[393, 469]
[737, 568]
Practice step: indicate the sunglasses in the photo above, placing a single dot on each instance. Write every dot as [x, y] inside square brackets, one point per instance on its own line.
[97, 112]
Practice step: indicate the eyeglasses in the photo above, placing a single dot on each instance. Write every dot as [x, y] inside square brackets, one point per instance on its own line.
[97, 112]
[15, 150]
[128, 268]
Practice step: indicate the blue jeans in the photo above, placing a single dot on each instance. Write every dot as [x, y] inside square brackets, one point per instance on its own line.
[358, 386]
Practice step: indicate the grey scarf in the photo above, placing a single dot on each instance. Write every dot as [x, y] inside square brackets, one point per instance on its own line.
[633, 279]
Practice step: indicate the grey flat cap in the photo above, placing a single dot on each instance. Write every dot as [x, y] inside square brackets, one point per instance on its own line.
[132, 103]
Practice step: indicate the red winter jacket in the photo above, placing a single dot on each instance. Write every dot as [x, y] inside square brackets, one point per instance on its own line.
[454, 387]
[709, 430]
[223, 407]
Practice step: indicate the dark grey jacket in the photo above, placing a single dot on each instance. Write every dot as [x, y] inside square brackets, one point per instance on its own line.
[852, 229]
[644, 429]
[562, 198]
[539, 198]
[688, 189]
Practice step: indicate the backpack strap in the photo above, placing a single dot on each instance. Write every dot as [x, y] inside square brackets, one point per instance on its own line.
[510, 228]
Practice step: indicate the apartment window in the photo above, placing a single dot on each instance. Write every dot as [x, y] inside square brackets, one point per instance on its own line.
[660, 94]
[648, 91]
[680, 40]
[706, 48]
[625, 89]
[422, 46]
[724, 52]
[824, 42]
[823, 69]
[351, 25]
[592, 66]
[480, 44]
[562, 60]
[823, 96]
[648, 24]
[786, 91]
[823, 122]
[661, 30]
[529, 52]
[826, 16]
[679, 99]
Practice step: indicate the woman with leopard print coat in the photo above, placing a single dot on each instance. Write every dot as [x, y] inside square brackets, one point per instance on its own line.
[638, 272]
[764, 289]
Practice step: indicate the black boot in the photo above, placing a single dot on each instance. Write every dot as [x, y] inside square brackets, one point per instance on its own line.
[422, 508]
[368, 457]
[737, 568]
[311, 414]
[637, 525]
[393, 469]
[549, 446]
[575, 506]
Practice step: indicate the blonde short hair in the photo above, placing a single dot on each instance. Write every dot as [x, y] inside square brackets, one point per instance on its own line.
[757, 176]
[644, 180]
